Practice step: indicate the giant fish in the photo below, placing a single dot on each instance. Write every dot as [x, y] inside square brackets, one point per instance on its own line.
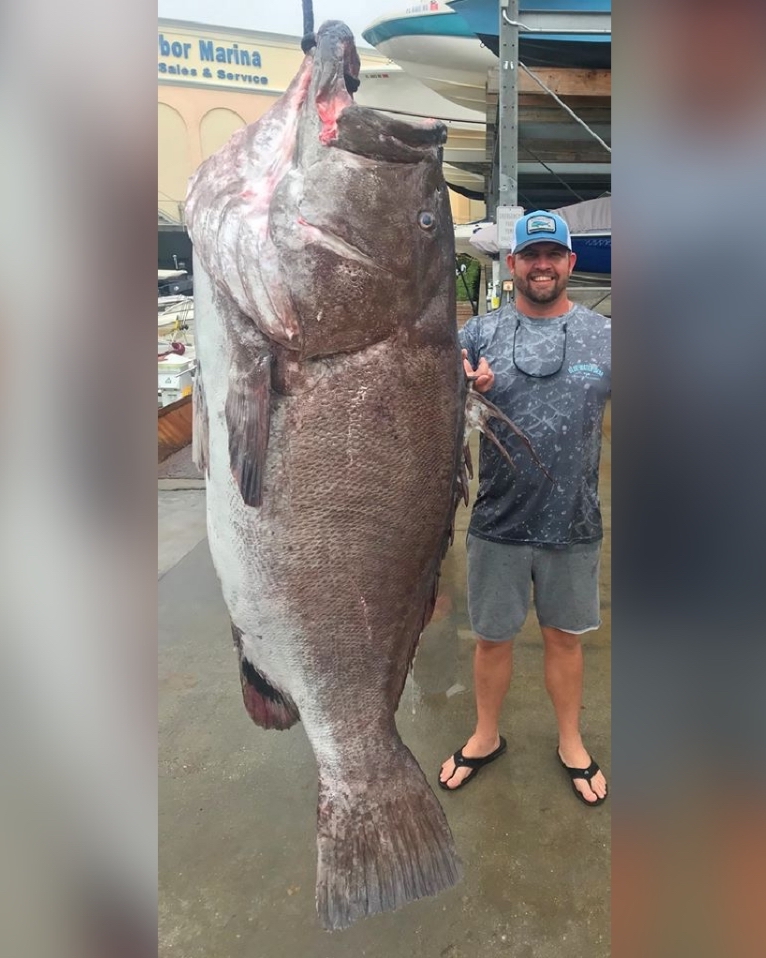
[329, 418]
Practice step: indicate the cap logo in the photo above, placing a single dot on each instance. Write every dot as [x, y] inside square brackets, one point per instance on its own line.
[541, 224]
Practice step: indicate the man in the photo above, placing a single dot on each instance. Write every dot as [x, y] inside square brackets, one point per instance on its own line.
[546, 363]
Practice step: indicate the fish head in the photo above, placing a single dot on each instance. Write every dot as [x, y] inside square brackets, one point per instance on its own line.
[328, 223]
[361, 221]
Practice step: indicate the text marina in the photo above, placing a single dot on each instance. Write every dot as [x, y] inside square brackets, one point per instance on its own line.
[185, 55]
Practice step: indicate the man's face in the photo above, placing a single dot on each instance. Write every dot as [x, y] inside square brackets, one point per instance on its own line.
[541, 271]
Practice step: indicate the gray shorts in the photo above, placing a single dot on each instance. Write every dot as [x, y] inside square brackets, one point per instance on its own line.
[501, 577]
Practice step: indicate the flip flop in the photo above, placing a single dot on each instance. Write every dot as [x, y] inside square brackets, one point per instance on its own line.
[586, 774]
[473, 763]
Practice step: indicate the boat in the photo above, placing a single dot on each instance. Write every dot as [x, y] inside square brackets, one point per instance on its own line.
[464, 233]
[594, 252]
[592, 51]
[432, 43]
[436, 48]
[451, 46]
[175, 421]
[392, 90]
[172, 282]
[590, 227]
[175, 318]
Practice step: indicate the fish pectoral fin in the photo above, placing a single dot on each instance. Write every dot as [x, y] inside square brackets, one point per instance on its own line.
[479, 410]
[248, 415]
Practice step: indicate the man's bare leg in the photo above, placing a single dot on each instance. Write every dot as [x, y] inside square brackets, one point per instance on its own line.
[492, 670]
[563, 680]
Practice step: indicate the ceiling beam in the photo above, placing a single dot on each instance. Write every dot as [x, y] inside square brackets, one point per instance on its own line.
[564, 81]
[540, 114]
[563, 151]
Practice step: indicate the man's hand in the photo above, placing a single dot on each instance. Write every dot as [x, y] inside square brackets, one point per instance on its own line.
[482, 376]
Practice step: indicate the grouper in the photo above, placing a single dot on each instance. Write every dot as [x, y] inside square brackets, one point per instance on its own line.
[328, 419]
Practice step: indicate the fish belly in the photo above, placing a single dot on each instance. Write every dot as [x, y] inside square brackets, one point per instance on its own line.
[328, 582]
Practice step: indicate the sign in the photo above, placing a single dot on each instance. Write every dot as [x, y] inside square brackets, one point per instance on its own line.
[507, 218]
[244, 60]
[212, 60]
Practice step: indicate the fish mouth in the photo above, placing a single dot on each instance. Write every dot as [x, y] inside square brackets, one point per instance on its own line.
[336, 75]
[336, 79]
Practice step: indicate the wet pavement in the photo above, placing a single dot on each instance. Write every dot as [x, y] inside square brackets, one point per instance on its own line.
[238, 803]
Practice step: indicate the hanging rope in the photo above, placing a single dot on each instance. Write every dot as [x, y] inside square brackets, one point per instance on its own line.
[561, 103]
[551, 171]
[309, 41]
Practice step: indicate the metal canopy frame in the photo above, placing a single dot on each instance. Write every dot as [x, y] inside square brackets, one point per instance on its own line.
[574, 23]
[508, 131]
[504, 180]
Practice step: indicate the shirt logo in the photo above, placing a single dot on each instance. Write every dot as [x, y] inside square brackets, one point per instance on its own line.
[586, 371]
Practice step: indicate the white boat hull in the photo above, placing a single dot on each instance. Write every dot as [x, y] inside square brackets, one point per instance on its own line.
[453, 67]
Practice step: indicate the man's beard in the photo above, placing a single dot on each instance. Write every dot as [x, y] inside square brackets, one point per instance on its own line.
[527, 287]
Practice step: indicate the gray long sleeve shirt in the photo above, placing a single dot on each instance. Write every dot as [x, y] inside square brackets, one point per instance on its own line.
[561, 414]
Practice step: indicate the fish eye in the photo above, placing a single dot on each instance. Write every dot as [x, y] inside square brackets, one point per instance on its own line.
[426, 220]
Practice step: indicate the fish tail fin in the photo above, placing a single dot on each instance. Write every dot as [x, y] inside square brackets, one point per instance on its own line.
[383, 841]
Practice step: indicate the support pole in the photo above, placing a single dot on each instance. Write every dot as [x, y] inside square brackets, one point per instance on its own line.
[508, 210]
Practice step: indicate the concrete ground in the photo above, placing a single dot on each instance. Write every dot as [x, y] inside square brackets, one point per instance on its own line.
[238, 804]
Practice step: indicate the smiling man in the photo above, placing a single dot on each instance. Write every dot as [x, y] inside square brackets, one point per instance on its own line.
[546, 363]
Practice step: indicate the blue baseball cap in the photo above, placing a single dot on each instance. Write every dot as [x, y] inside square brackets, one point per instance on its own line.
[541, 227]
